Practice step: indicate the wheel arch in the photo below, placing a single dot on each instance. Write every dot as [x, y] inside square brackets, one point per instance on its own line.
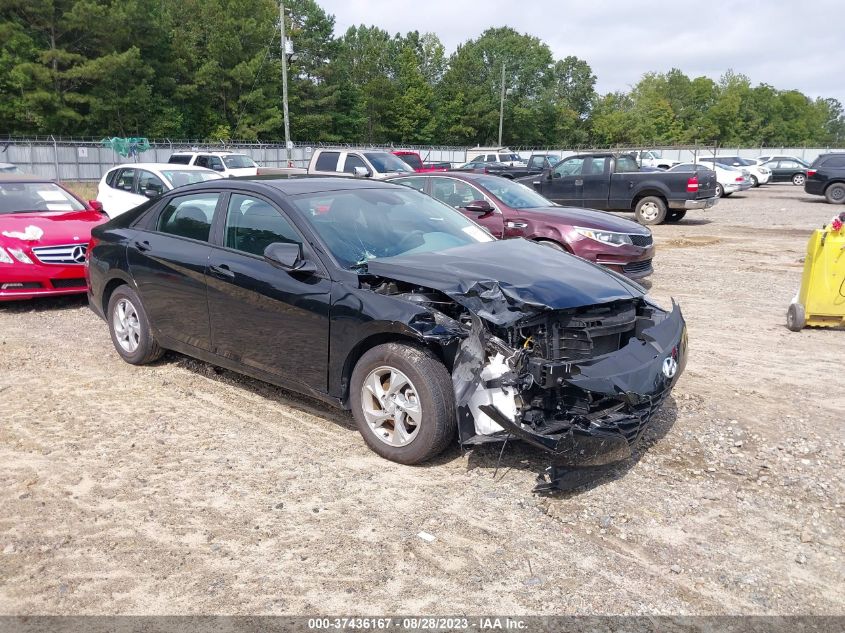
[405, 336]
[110, 286]
[646, 193]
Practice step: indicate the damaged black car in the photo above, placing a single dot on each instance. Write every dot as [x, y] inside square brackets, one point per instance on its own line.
[374, 297]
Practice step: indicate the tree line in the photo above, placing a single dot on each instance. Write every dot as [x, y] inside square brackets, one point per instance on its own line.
[211, 69]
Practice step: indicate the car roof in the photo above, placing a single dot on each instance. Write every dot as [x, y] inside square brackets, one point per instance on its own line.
[161, 166]
[296, 185]
[24, 178]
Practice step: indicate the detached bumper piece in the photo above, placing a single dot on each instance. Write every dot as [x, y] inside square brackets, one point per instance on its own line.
[588, 413]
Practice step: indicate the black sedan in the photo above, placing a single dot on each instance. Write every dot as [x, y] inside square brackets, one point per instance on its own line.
[788, 170]
[374, 297]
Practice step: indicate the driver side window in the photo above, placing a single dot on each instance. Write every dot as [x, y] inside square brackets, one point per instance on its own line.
[569, 167]
[252, 225]
[353, 161]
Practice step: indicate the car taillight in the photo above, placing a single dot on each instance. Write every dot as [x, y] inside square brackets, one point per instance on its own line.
[692, 184]
[91, 244]
[811, 172]
[739, 179]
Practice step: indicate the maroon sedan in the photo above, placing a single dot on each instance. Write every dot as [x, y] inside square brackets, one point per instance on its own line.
[509, 209]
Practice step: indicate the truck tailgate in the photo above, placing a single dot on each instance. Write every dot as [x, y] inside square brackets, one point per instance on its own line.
[706, 184]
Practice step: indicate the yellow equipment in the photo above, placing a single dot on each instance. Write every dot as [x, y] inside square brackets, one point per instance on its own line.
[821, 300]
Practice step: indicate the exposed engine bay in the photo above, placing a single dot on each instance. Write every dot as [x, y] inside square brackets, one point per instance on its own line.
[579, 383]
[566, 356]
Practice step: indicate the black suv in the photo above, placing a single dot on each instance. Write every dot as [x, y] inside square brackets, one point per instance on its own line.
[826, 177]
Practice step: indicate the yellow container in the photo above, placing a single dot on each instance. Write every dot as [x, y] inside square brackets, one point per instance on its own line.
[821, 300]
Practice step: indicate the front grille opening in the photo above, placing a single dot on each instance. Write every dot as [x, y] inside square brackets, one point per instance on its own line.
[641, 240]
[637, 267]
[592, 332]
[76, 282]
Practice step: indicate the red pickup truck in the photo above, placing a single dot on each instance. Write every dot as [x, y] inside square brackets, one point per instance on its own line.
[415, 162]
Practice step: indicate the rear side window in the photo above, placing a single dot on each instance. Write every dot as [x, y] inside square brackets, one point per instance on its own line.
[189, 216]
[112, 177]
[624, 164]
[327, 161]
[835, 161]
[180, 159]
[124, 180]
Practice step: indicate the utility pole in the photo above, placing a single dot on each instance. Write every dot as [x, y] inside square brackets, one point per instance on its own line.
[502, 106]
[284, 77]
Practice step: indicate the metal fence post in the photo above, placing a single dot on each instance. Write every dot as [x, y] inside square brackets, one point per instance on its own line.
[55, 155]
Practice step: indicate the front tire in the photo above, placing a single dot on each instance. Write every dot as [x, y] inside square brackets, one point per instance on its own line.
[720, 191]
[798, 180]
[553, 245]
[835, 193]
[130, 328]
[754, 181]
[650, 210]
[403, 402]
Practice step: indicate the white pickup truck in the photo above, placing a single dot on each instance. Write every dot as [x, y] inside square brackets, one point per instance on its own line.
[653, 158]
[364, 163]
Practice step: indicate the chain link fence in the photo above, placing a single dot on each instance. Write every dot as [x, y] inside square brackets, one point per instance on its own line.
[87, 159]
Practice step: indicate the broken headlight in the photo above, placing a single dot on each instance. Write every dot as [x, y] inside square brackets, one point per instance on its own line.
[605, 237]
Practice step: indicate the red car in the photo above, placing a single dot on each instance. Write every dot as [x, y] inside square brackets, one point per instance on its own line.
[509, 209]
[414, 161]
[44, 235]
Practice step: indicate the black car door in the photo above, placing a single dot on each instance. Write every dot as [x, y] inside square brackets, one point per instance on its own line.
[168, 262]
[565, 183]
[263, 316]
[595, 186]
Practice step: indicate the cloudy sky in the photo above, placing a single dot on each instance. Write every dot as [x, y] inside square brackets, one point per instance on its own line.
[786, 43]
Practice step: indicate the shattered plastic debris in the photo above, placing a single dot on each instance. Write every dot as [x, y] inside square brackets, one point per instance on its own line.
[428, 538]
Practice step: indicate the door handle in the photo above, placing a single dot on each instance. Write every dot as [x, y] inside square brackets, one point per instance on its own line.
[579, 182]
[222, 271]
[142, 246]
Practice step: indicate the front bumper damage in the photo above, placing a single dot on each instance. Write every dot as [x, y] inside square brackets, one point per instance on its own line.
[604, 404]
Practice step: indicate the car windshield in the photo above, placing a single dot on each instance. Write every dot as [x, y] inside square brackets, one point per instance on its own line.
[19, 197]
[384, 162]
[514, 194]
[412, 160]
[181, 177]
[238, 161]
[362, 224]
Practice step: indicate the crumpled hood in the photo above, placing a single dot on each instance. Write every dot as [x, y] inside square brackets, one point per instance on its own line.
[59, 227]
[507, 280]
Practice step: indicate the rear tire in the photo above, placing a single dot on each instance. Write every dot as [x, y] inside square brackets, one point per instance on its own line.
[799, 179]
[403, 402]
[754, 181]
[720, 191]
[795, 318]
[835, 193]
[130, 328]
[650, 210]
[676, 215]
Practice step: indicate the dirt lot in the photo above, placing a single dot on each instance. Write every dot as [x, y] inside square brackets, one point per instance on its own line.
[179, 488]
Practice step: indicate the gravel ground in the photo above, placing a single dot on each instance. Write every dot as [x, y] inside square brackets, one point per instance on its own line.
[180, 488]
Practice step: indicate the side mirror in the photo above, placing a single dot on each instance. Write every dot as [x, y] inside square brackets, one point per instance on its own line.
[96, 205]
[152, 192]
[288, 256]
[361, 172]
[218, 168]
[479, 206]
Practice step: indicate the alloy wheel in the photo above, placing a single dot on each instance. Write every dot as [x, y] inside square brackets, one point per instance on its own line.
[391, 406]
[127, 327]
[798, 179]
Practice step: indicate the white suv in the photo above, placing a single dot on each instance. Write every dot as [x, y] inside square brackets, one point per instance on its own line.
[227, 164]
[496, 155]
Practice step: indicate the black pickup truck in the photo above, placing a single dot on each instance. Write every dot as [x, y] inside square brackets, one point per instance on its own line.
[614, 182]
[537, 164]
